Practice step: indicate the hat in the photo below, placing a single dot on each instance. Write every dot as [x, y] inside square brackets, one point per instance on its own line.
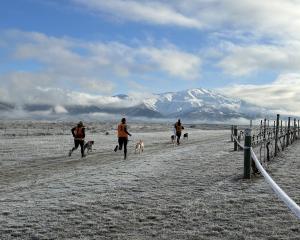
[80, 124]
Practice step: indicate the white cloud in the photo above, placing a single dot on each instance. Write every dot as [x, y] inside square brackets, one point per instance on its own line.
[244, 60]
[92, 67]
[60, 109]
[264, 34]
[283, 94]
[174, 62]
[280, 17]
[154, 12]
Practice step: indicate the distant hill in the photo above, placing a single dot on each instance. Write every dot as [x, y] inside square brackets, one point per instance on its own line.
[194, 104]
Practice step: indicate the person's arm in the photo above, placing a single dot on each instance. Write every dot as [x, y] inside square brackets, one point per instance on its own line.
[72, 130]
[83, 132]
[125, 130]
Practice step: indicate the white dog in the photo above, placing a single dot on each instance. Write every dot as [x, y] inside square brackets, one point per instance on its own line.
[139, 147]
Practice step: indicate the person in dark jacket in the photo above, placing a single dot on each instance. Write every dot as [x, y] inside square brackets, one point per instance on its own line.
[178, 129]
[122, 137]
[78, 133]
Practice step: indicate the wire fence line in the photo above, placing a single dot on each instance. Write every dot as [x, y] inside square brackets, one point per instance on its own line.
[268, 141]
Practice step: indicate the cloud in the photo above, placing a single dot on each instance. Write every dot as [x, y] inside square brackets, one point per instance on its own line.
[60, 109]
[259, 17]
[263, 36]
[174, 62]
[90, 67]
[244, 60]
[283, 94]
[153, 12]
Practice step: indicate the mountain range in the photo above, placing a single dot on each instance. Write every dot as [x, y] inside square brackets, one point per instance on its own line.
[193, 104]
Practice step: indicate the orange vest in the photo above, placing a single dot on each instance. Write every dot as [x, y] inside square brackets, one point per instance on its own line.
[121, 130]
[78, 132]
[178, 128]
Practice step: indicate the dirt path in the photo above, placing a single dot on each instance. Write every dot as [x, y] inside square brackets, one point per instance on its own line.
[193, 191]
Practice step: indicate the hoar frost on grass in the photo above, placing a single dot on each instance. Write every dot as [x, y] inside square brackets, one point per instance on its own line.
[191, 191]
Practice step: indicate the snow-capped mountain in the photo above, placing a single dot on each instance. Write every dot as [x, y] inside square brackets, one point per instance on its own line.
[194, 104]
[201, 104]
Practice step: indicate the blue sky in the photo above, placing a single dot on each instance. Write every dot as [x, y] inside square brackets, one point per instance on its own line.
[245, 49]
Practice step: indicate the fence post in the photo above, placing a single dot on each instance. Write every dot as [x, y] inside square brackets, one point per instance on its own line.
[298, 128]
[247, 154]
[294, 130]
[276, 134]
[288, 132]
[265, 128]
[231, 133]
[235, 138]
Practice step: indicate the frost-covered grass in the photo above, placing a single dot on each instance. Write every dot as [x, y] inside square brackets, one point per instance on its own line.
[191, 191]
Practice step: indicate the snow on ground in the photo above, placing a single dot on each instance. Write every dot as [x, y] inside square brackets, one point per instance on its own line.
[191, 191]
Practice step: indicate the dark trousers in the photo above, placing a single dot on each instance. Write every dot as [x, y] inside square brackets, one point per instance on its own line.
[77, 143]
[123, 141]
[178, 135]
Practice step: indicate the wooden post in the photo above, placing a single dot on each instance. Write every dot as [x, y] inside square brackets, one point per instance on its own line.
[231, 133]
[247, 154]
[250, 123]
[280, 126]
[235, 136]
[276, 134]
[288, 132]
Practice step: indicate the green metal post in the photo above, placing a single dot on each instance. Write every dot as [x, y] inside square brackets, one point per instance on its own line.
[247, 154]
[276, 134]
[235, 135]
[288, 132]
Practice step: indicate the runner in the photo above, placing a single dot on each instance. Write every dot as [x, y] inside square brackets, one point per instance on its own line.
[178, 128]
[122, 137]
[78, 133]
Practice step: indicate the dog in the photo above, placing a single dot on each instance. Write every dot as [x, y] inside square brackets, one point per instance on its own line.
[173, 138]
[139, 147]
[88, 146]
[186, 135]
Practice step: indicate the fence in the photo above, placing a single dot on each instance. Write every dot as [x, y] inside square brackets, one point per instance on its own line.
[272, 140]
[269, 139]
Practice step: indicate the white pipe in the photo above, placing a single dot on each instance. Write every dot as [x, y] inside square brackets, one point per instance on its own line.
[280, 193]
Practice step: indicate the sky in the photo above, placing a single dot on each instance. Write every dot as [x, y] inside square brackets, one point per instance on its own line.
[64, 51]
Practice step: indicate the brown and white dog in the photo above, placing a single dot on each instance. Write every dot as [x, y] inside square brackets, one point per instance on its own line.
[139, 147]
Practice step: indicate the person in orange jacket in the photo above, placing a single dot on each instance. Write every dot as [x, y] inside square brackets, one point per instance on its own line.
[78, 133]
[122, 137]
[178, 129]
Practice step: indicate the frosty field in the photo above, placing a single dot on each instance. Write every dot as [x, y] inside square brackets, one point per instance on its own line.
[191, 191]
